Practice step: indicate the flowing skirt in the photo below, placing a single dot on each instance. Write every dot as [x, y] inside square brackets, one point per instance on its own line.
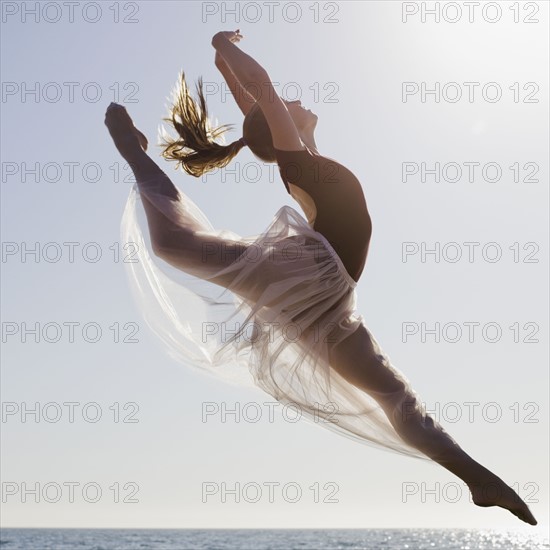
[260, 311]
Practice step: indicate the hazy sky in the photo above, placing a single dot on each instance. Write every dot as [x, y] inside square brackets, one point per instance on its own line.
[396, 93]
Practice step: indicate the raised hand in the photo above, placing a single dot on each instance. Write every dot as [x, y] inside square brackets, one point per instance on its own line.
[232, 36]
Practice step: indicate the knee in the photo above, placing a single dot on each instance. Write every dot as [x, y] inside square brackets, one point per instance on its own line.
[159, 249]
[170, 245]
[393, 384]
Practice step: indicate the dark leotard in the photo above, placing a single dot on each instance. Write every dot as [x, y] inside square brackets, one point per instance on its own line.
[333, 201]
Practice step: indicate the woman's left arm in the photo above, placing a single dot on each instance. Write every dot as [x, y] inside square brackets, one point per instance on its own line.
[248, 72]
[242, 98]
[254, 78]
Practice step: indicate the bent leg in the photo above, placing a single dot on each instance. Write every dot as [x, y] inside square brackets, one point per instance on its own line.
[357, 360]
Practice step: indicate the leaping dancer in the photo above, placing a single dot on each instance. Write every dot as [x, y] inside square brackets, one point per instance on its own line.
[298, 273]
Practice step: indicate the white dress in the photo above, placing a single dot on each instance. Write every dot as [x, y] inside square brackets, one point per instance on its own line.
[288, 299]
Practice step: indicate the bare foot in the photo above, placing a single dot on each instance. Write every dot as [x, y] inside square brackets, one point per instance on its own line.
[495, 492]
[121, 127]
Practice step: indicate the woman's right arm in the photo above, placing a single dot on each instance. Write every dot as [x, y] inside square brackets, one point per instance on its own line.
[254, 78]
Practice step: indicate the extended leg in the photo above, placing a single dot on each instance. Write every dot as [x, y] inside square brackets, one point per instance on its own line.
[177, 243]
[356, 360]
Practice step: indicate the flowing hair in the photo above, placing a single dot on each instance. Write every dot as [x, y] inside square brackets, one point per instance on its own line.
[196, 149]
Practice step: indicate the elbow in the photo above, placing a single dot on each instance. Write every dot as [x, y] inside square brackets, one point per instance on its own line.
[163, 244]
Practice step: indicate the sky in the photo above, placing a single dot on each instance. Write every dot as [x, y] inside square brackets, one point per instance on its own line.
[443, 117]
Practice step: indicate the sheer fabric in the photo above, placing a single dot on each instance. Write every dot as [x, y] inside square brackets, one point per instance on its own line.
[259, 311]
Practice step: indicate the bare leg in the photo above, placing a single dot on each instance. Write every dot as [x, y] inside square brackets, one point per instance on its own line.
[180, 246]
[356, 360]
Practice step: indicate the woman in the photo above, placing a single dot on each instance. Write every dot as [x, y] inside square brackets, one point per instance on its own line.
[293, 285]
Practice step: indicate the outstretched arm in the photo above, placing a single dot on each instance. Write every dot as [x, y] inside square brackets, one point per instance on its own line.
[254, 78]
[243, 99]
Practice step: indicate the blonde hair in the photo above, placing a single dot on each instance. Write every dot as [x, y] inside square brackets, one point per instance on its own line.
[196, 149]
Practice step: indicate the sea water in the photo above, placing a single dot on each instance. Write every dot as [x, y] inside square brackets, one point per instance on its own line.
[273, 539]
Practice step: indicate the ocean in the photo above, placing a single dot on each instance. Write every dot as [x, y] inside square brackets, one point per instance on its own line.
[272, 539]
